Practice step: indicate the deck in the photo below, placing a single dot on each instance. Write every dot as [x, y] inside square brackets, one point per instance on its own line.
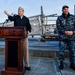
[43, 58]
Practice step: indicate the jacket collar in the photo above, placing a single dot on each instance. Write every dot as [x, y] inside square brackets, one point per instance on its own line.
[65, 16]
[21, 17]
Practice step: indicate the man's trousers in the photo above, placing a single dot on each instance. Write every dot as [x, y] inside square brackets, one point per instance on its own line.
[26, 52]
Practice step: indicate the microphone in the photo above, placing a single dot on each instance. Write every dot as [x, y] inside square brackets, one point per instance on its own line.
[6, 20]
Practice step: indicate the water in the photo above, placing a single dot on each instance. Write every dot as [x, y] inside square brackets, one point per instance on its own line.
[35, 41]
[2, 43]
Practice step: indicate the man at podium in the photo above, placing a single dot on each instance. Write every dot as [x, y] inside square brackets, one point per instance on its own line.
[21, 20]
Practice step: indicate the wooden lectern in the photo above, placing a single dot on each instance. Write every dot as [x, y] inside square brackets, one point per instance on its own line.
[13, 50]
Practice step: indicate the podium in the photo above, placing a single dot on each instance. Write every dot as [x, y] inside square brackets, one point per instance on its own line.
[13, 50]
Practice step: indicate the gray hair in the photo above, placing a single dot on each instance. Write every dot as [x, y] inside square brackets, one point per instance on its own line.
[20, 8]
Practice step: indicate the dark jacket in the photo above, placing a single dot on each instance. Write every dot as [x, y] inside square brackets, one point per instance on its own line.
[66, 24]
[21, 22]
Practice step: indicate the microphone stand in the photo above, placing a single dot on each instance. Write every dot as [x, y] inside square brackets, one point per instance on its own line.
[6, 21]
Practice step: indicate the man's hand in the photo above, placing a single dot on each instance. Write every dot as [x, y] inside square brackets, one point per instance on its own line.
[69, 33]
[27, 32]
[6, 13]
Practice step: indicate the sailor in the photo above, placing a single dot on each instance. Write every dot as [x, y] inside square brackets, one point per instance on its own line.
[66, 30]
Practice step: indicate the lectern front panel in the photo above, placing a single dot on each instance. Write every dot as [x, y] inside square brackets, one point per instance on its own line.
[13, 54]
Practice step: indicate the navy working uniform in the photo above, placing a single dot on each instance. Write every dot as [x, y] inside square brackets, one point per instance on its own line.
[66, 42]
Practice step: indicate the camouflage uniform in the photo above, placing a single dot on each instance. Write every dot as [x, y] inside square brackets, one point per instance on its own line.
[66, 42]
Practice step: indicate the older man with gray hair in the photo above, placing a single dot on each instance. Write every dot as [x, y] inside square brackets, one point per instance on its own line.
[21, 20]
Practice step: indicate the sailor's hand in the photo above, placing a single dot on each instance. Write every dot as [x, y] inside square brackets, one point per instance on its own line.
[69, 33]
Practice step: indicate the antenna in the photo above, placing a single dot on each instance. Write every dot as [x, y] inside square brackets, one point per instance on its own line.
[42, 14]
[42, 18]
[74, 9]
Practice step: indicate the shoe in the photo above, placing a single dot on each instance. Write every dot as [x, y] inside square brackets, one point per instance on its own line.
[61, 66]
[28, 68]
[72, 66]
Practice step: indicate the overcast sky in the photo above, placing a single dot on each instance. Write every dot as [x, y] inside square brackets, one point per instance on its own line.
[32, 7]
